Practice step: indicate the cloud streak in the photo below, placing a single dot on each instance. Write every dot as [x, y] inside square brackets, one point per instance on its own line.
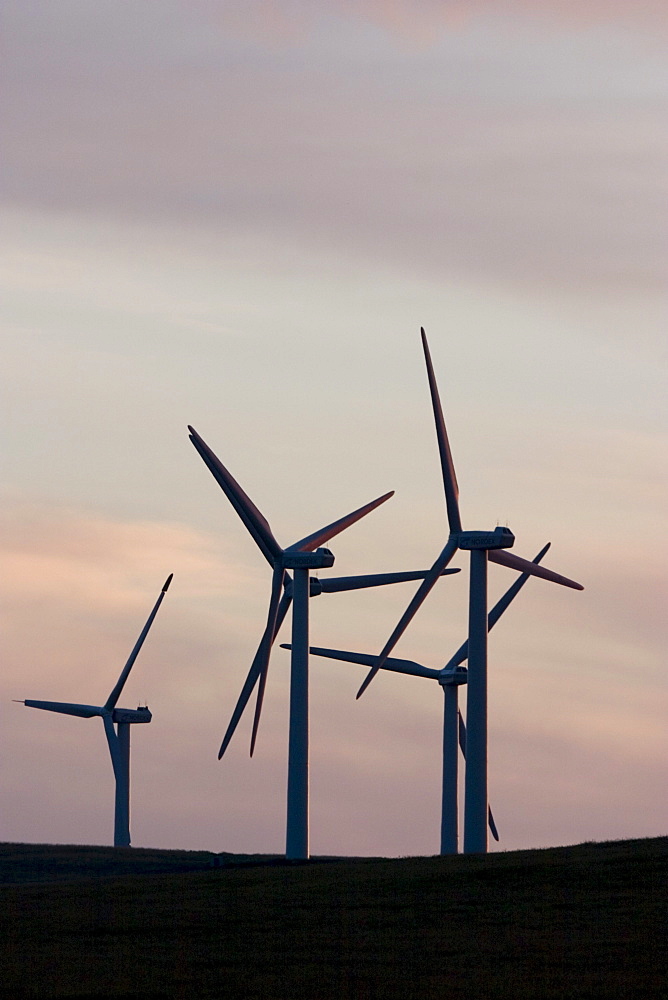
[530, 161]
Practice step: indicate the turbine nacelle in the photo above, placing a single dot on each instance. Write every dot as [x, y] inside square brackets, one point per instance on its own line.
[131, 715]
[315, 588]
[314, 584]
[500, 538]
[453, 676]
[319, 559]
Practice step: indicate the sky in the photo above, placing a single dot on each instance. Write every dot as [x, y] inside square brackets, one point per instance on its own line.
[238, 216]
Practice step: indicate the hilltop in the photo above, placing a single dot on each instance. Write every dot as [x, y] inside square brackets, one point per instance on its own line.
[587, 921]
[22, 863]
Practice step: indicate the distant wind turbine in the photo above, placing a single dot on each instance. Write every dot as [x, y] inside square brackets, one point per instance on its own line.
[450, 677]
[118, 739]
[483, 546]
[301, 557]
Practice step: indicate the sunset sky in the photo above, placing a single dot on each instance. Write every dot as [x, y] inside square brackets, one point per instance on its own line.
[238, 216]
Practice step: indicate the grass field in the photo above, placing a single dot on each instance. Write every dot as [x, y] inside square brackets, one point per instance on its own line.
[579, 922]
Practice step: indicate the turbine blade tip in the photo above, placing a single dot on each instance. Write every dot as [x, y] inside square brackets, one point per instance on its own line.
[167, 582]
[364, 685]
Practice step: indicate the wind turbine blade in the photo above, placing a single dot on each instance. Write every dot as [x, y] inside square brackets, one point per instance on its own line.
[336, 584]
[255, 522]
[505, 558]
[461, 732]
[368, 660]
[63, 708]
[242, 701]
[462, 747]
[412, 609]
[252, 677]
[496, 612]
[312, 542]
[112, 742]
[111, 701]
[265, 646]
[283, 608]
[447, 465]
[512, 592]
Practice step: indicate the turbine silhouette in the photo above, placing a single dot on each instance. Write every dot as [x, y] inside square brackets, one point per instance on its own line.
[301, 557]
[483, 546]
[118, 739]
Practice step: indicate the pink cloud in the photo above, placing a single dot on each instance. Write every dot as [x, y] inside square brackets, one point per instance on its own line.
[420, 22]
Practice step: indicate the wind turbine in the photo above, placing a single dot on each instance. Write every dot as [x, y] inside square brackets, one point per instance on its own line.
[118, 739]
[301, 557]
[484, 546]
[450, 677]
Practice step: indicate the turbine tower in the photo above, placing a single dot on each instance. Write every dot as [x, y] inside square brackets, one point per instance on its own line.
[301, 557]
[484, 546]
[118, 739]
[450, 678]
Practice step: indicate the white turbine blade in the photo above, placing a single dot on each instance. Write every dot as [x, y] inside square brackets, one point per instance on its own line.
[412, 609]
[112, 700]
[447, 465]
[512, 592]
[266, 644]
[509, 559]
[337, 584]
[461, 733]
[246, 692]
[323, 535]
[112, 742]
[283, 608]
[252, 677]
[496, 612]
[255, 522]
[64, 708]
[368, 660]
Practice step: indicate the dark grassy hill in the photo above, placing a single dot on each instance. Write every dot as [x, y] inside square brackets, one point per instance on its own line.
[579, 922]
[21, 863]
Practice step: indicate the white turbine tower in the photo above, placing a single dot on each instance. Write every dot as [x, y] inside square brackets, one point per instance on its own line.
[484, 546]
[450, 678]
[118, 739]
